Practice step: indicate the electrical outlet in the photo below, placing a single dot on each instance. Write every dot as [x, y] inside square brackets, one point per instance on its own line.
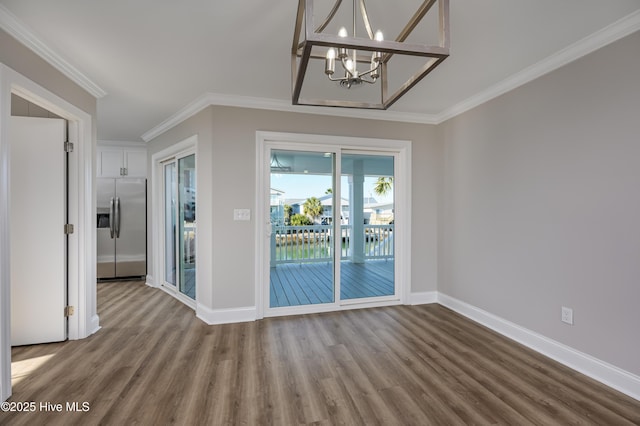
[567, 315]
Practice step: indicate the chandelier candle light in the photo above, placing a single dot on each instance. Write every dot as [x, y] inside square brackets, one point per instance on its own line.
[350, 62]
[344, 49]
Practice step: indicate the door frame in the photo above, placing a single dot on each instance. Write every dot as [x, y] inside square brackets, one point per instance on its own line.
[81, 210]
[295, 141]
[158, 160]
[46, 135]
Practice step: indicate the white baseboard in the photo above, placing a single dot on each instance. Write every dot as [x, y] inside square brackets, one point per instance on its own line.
[601, 371]
[94, 325]
[225, 316]
[149, 281]
[423, 298]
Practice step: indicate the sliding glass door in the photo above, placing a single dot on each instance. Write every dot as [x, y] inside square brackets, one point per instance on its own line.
[331, 220]
[367, 261]
[170, 221]
[180, 224]
[301, 216]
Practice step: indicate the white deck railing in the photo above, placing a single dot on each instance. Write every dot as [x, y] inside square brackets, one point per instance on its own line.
[314, 243]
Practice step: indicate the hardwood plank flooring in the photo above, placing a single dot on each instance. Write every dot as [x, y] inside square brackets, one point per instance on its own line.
[154, 363]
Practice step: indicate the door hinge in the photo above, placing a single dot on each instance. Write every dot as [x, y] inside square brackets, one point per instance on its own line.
[69, 310]
[68, 229]
[68, 147]
[123, 171]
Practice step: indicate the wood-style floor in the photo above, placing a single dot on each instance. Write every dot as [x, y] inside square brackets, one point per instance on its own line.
[154, 363]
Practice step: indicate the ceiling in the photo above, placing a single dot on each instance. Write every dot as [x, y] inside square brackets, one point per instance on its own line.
[153, 58]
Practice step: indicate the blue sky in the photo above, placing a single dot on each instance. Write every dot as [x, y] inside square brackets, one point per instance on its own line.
[305, 186]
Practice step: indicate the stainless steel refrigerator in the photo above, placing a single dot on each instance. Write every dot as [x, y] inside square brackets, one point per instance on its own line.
[122, 229]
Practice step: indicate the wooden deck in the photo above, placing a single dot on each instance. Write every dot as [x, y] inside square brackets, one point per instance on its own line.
[312, 283]
[190, 282]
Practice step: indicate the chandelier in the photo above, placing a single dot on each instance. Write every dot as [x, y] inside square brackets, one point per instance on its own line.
[349, 60]
[361, 60]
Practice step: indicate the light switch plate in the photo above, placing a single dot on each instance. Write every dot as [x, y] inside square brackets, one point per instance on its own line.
[241, 214]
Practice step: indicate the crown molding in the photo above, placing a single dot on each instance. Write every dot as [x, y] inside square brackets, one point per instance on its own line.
[13, 27]
[183, 114]
[218, 99]
[619, 29]
[104, 143]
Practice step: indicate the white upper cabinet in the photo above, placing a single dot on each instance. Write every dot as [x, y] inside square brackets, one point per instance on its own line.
[121, 162]
[110, 162]
[135, 163]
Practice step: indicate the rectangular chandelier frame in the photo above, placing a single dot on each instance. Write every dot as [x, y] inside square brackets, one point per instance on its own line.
[301, 53]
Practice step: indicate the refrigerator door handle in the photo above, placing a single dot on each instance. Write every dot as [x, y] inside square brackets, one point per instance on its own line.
[111, 214]
[117, 217]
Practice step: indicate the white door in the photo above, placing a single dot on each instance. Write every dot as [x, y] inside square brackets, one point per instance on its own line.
[38, 243]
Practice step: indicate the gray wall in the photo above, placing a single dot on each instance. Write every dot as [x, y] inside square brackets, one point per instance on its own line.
[230, 160]
[16, 56]
[525, 204]
[542, 205]
[199, 125]
[22, 108]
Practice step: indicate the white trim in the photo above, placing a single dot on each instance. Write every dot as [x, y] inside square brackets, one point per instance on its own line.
[189, 144]
[329, 307]
[403, 222]
[344, 142]
[615, 31]
[181, 115]
[5, 276]
[149, 281]
[173, 292]
[400, 149]
[619, 29]
[601, 371]
[13, 26]
[225, 316]
[81, 204]
[94, 324]
[423, 298]
[209, 99]
[121, 144]
[259, 229]
[81, 244]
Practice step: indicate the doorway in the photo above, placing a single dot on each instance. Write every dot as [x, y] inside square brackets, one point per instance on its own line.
[302, 252]
[179, 224]
[81, 257]
[336, 217]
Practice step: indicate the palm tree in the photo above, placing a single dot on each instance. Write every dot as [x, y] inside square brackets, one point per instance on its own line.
[312, 207]
[383, 185]
[287, 214]
[300, 220]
